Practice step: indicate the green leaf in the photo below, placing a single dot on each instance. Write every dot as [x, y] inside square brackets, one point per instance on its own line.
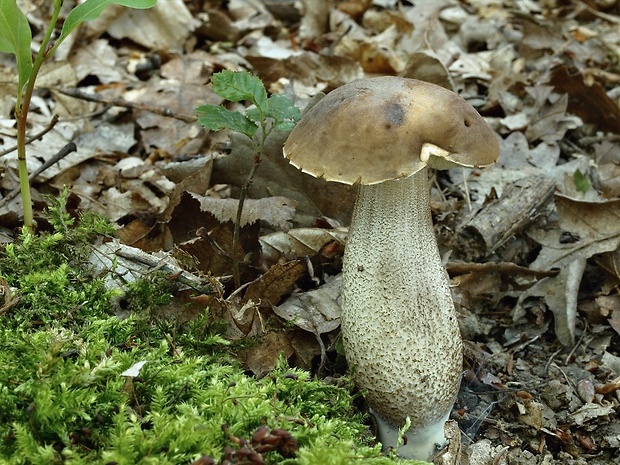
[216, 118]
[91, 9]
[255, 115]
[15, 38]
[581, 181]
[240, 85]
[282, 110]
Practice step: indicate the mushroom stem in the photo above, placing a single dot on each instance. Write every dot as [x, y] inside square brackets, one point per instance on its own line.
[399, 325]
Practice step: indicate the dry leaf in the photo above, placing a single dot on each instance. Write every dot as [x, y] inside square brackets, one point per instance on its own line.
[277, 211]
[589, 102]
[268, 289]
[597, 226]
[166, 26]
[263, 357]
[298, 243]
[590, 412]
[277, 177]
[317, 311]
[98, 59]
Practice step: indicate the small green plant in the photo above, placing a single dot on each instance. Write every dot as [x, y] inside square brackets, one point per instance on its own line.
[268, 113]
[16, 38]
[581, 181]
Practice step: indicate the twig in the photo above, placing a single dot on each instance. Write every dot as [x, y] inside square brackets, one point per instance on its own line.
[47, 129]
[151, 263]
[466, 188]
[568, 380]
[572, 352]
[259, 148]
[237, 229]
[119, 102]
[62, 153]
[600, 14]
[550, 361]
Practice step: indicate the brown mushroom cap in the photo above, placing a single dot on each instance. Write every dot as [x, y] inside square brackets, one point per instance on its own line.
[373, 130]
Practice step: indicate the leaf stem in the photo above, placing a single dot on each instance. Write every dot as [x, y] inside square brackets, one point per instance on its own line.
[258, 154]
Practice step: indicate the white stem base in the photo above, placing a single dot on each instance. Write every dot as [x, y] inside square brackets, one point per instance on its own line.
[417, 443]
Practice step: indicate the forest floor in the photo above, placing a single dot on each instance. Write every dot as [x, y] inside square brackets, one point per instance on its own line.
[531, 244]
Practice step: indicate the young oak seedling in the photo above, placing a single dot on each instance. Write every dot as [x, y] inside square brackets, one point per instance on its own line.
[266, 114]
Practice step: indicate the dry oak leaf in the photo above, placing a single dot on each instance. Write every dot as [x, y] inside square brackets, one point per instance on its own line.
[277, 211]
[597, 227]
[298, 242]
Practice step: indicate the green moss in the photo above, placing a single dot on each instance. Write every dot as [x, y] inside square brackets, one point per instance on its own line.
[68, 402]
[51, 271]
[65, 400]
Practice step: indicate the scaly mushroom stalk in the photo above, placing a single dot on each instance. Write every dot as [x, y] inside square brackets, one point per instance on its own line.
[399, 325]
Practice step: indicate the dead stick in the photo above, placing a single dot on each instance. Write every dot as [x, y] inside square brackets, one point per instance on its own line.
[62, 153]
[119, 102]
[47, 129]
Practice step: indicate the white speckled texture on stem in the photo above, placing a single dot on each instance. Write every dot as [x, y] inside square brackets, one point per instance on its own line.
[399, 325]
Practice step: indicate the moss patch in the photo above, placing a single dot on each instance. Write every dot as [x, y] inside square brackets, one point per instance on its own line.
[66, 395]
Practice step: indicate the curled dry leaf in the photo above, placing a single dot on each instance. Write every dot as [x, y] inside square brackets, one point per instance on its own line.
[425, 66]
[590, 412]
[262, 358]
[316, 311]
[537, 415]
[609, 387]
[244, 319]
[298, 242]
[269, 288]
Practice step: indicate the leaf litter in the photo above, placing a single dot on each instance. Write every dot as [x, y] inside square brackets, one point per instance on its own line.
[539, 306]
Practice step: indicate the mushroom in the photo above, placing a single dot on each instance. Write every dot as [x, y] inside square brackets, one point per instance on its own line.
[399, 324]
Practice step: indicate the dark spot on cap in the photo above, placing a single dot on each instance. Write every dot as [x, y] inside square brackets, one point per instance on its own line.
[394, 115]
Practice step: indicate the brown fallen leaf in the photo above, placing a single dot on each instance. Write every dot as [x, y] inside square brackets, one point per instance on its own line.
[276, 211]
[316, 311]
[297, 243]
[614, 321]
[590, 102]
[267, 290]
[263, 357]
[277, 177]
[597, 229]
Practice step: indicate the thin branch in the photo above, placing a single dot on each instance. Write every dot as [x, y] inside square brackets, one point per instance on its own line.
[258, 154]
[31, 139]
[62, 153]
[237, 228]
[119, 102]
